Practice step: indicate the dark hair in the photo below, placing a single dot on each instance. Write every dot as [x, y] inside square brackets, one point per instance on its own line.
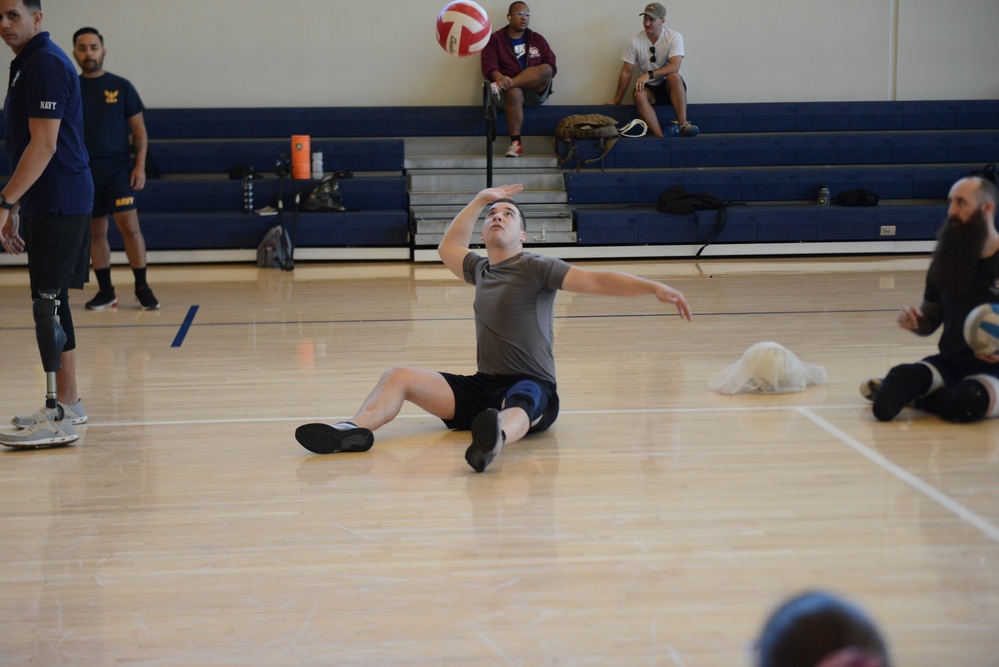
[523, 220]
[33, 5]
[514, 4]
[811, 626]
[87, 31]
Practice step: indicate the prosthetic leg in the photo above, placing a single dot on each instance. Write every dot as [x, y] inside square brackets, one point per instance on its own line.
[51, 341]
[51, 428]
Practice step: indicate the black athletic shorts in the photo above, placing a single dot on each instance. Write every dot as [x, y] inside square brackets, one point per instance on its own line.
[113, 191]
[58, 251]
[952, 372]
[661, 92]
[475, 393]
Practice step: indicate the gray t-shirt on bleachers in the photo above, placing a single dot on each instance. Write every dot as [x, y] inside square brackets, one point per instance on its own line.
[514, 313]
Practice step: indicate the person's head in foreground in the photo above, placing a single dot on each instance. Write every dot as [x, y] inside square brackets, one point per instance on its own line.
[818, 629]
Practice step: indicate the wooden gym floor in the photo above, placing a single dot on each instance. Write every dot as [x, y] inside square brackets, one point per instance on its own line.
[656, 524]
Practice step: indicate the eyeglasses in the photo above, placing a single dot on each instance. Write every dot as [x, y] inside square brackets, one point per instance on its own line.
[525, 15]
[652, 50]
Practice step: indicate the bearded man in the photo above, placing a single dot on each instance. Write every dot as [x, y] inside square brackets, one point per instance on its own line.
[955, 384]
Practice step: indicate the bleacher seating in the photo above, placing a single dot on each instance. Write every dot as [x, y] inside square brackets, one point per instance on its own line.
[770, 160]
[767, 158]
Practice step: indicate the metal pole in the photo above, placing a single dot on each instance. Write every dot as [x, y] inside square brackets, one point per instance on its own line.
[490, 109]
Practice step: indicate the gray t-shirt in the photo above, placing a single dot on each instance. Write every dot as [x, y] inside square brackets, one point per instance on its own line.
[514, 313]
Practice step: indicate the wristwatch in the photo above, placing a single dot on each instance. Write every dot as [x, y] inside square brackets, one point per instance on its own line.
[5, 204]
[651, 74]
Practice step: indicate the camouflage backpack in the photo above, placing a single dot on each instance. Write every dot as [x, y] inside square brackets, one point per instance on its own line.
[591, 126]
[325, 197]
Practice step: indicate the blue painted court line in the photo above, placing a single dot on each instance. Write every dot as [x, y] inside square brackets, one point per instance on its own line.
[185, 327]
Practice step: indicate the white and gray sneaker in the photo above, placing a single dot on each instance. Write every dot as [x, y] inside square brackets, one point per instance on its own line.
[44, 433]
[75, 413]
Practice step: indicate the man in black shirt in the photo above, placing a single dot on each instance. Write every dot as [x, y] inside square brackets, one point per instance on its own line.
[112, 110]
[955, 384]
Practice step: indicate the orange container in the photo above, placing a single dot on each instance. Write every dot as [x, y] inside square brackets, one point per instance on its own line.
[301, 156]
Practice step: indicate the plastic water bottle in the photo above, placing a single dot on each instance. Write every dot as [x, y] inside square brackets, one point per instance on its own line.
[248, 194]
[317, 166]
[823, 195]
[674, 129]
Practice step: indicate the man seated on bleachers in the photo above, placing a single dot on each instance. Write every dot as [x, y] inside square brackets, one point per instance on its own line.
[520, 66]
[657, 52]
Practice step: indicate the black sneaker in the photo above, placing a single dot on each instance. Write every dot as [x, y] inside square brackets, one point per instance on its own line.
[102, 301]
[487, 440]
[146, 298]
[326, 439]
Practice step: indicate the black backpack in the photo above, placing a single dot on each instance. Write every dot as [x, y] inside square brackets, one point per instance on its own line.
[858, 197]
[988, 172]
[678, 200]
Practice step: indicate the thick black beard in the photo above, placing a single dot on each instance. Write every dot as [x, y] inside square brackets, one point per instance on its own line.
[959, 249]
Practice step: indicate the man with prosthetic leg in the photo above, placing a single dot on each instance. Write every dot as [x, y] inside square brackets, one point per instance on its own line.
[51, 190]
[50, 425]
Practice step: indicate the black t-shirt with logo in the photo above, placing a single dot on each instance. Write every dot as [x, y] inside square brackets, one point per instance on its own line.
[108, 102]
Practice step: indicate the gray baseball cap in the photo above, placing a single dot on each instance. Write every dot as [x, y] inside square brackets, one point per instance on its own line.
[655, 10]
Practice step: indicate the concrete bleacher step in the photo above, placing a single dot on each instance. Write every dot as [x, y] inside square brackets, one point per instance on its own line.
[534, 224]
[531, 211]
[471, 180]
[475, 146]
[545, 225]
[501, 165]
[445, 173]
[462, 197]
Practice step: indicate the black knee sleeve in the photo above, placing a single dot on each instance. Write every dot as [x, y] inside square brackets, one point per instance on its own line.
[527, 396]
[963, 402]
[902, 385]
[49, 332]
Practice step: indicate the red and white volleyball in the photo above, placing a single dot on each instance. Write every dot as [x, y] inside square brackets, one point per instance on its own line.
[463, 28]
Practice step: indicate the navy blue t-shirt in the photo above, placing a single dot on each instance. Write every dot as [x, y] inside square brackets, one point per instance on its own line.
[520, 50]
[44, 84]
[108, 102]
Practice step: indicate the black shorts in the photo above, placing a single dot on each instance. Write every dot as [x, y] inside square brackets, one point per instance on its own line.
[953, 372]
[58, 251]
[475, 393]
[661, 92]
[113, 191]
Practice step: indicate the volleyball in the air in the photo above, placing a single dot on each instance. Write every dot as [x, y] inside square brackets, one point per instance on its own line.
[463, 28]
[981, 329]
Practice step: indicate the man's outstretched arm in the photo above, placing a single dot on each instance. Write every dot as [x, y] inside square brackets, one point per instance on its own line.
[615, 283]
[458, 235]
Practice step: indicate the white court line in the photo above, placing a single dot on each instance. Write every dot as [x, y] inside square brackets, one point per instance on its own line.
[938, 496]
[910, 479]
